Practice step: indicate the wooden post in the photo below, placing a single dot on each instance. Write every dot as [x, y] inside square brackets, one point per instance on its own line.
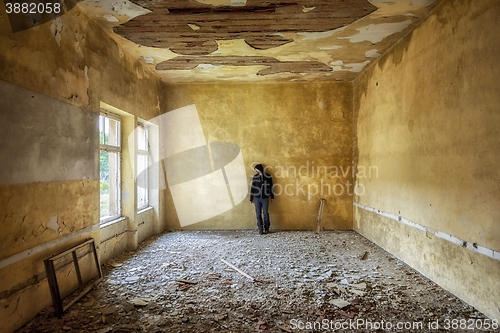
[320, 213]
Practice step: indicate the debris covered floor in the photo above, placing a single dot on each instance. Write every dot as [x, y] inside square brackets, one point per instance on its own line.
[177, 282]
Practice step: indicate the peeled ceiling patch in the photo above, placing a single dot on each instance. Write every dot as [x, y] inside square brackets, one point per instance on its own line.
[148, 59]
[376, 32]
[125, 7]
[357, 67]
[333, 47]
[372, 53]
[337, 65]
[111, 18]
[319, 35]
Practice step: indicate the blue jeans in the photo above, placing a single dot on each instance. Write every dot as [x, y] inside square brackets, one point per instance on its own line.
[262, 208]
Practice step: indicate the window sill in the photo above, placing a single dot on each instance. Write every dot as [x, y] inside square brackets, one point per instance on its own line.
[143, 210]
[108, 223]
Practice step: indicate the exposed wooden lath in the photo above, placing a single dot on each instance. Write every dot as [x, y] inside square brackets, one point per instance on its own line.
[274, 66]
[192, 28]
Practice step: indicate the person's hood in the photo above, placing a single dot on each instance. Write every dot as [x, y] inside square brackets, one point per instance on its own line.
[260, 168]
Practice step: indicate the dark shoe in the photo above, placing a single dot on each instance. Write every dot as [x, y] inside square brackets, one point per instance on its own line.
[260, 232]
[266, 231]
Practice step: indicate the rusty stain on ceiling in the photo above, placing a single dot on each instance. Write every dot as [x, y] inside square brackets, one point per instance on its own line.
[256, 40]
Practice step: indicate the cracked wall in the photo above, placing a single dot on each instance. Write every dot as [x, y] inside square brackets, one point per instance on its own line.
[74, 61]
[427, 116]
[53, 79]
[294, 129]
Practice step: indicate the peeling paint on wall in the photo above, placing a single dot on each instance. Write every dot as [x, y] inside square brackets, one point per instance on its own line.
[372, 54]
[53, 225]
[56, 28]
[55, 148]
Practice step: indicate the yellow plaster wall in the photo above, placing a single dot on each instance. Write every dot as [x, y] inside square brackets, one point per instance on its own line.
[81, 70]
[287, 127]
[27, 208]
[428, 117]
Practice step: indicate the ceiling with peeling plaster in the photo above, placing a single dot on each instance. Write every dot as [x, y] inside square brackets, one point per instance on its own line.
[256, 40]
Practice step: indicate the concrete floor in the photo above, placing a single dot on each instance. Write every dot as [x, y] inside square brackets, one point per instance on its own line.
[304, 282]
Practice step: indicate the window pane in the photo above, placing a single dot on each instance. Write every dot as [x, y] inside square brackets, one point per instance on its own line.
[101, 129]
[142, 138]
[109, 131]
[109, 184]
[113, 135]
[142, 180]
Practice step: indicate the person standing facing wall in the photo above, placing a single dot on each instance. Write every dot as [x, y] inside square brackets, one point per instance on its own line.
[260, 194]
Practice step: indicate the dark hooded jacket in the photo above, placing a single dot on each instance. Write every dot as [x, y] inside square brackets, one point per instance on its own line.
[262, 185]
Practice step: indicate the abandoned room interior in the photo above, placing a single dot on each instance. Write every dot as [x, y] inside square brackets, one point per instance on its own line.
[131, 128]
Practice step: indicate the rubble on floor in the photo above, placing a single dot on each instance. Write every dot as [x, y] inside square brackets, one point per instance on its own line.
[281, 282]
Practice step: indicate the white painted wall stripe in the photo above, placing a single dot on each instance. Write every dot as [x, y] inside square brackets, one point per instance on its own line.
[452, 239]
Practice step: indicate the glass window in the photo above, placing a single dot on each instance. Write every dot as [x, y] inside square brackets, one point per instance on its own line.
[142, 167]
[109, 162]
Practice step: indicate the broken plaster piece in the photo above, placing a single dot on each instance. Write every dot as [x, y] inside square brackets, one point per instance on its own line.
[357, 292]
[132, 279]
[359, 285]
[139, 302]
[340, 303]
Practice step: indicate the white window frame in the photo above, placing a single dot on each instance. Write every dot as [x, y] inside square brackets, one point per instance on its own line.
[114, 149]
[147, 154]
